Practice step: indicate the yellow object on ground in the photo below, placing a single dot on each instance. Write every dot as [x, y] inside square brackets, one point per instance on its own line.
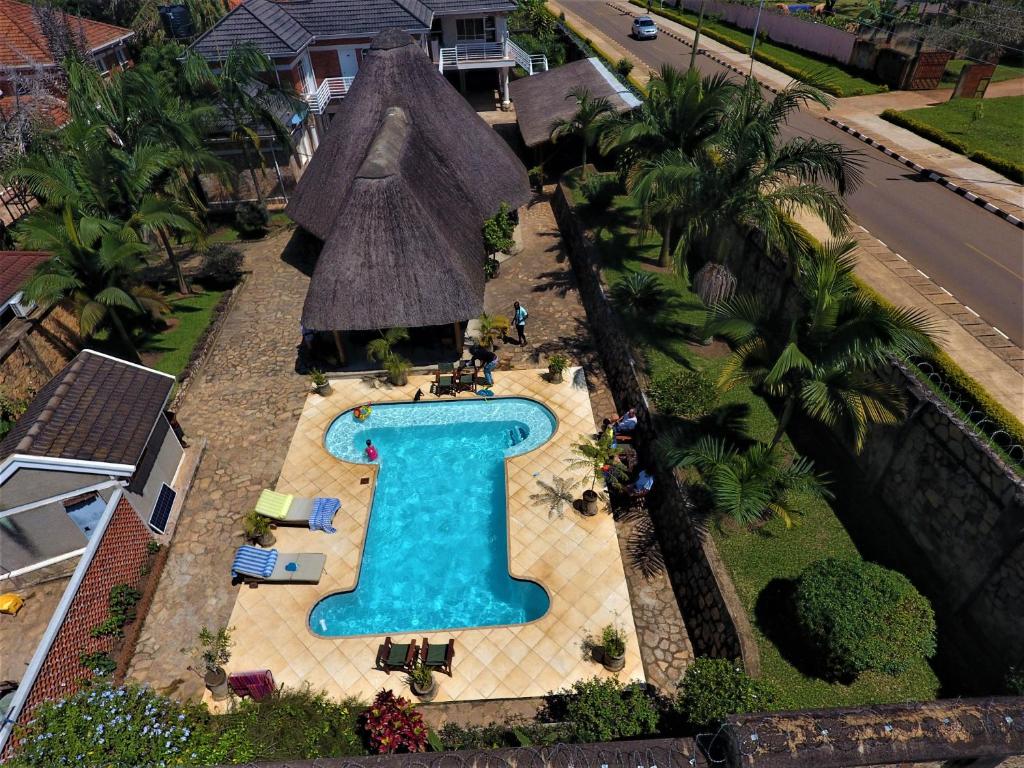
[11, 604]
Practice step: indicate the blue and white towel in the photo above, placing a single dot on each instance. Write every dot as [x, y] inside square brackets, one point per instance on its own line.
[255, 562]
[323, 514]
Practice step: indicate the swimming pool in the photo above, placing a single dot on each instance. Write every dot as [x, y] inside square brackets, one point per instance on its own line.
[436, 550]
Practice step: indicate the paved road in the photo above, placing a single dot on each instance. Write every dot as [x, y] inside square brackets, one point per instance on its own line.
[975, 255]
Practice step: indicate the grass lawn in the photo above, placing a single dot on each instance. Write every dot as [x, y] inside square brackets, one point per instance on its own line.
[835, 78]
[760, 561]
[169, 351]
[1003, 72]
[228, 234]
[995, 126]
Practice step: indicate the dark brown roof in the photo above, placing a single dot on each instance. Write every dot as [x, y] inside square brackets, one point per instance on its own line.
[544, 98]
[16, 267]
[398, 192]
[98, 408]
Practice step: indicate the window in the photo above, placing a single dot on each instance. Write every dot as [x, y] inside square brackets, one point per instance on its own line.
[162, 508]
[476, 30]
[85, 512]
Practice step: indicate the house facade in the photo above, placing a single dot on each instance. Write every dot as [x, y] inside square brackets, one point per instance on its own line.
[96, 432]
[318, 46]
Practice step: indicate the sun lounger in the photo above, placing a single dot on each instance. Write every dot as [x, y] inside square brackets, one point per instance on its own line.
[286, 509]
[268, 566]
[401, 657]
[438, 657]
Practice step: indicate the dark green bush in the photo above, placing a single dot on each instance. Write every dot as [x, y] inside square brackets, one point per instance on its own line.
[1011, 170]
[251, 219]
[600, 189]
[683, 393]
[293, 724]
[603, 709]
[861, 616]
[222, 267]
[514, 732]
[638, 292]
[624, 66]
[711, 689]
[98, 662]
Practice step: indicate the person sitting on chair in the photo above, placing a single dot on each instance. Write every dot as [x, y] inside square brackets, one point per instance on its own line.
[625, 426]
[641, 486]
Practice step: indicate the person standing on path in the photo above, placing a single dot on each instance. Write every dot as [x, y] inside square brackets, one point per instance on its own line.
[519, 321]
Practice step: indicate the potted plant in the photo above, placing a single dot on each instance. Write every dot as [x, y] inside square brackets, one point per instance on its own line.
[215, 650]
[321, 384]
[493, 329]
[257, 529]
[382, 350]
[613, 648]
[600, 458]
[556, 367]
[422, 682]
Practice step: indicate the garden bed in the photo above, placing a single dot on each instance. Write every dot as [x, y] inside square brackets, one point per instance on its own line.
[761, 561]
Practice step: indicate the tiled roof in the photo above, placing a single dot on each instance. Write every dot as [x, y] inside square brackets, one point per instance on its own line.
[470, 6]
[15, 269]
[271, 25]
[22, 42]
[98, 408]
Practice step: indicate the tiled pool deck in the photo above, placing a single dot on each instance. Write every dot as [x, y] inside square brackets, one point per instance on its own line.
[576, 558]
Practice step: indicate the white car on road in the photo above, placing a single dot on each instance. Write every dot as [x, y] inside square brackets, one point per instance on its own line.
[644, 28]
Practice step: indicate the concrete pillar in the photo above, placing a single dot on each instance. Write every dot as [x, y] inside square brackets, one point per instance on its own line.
[462, 80]
[458, 337]
[503, 87]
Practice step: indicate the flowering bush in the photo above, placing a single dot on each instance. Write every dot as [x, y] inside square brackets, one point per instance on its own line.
[393, 725]
[108, 726]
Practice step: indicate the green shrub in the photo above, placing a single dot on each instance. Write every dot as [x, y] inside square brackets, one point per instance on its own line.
[108, 726]
[514, 732]
[603, 709]
[498, 231]
[711, 689]
[600, 189]
[861, 616]
[680, 392]
[109, 627]
[98, 662]
[251, 219]
[624, 66]
[222, 267]
[292, 724]
[638, 292]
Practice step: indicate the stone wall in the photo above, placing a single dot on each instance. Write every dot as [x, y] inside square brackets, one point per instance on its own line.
[715, 619]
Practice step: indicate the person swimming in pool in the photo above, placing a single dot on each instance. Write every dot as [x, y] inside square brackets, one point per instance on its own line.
[371, 451]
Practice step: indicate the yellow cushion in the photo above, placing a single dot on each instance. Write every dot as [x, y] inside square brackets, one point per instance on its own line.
[273, 504]
[10, 603]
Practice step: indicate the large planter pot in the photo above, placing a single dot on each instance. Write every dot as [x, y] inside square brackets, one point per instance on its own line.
[399, 381]
[590, 502]
[556, 376]
[323, 389]
[424, 694]
[217, 684]
[613, 663]
[267, 540]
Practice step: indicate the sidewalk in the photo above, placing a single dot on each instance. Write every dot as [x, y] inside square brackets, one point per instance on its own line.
[993, 362]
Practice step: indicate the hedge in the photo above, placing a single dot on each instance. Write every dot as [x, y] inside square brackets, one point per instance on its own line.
[740, 45]
[1010, 170]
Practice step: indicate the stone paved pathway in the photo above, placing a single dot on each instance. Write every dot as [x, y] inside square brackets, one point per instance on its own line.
[246, 403]
[541, 278]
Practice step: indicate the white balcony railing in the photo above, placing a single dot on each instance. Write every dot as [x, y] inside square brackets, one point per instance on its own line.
[475, 54]
[330, 88]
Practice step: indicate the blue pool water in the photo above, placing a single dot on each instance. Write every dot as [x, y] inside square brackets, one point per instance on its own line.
[436, 551]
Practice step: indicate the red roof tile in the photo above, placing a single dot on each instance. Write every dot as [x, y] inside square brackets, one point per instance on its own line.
[15, 269]
[22, 42]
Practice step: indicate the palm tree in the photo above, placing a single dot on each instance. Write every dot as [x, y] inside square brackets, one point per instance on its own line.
[681, 113]
[592, 116]
[749, 486]
[822, 358]
[248, 102]
[749, 180]
[92, 267]
[381, 348]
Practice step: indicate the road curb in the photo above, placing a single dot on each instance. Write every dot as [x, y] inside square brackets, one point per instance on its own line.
[937, 177]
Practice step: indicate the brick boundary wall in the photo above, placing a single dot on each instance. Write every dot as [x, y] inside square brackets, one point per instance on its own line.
[714, 617]
[117, 560]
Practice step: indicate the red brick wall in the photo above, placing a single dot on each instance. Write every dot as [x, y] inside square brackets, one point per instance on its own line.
[118, 559]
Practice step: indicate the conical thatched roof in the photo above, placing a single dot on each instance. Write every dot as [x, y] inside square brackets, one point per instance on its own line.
[398, 192]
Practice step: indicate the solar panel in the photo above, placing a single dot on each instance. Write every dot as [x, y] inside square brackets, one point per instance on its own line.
[162, 509]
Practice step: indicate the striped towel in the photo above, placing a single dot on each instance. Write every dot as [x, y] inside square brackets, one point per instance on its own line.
[323, 513]
[251, 561]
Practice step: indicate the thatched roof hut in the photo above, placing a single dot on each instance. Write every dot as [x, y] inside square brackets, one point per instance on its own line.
[398, 192]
